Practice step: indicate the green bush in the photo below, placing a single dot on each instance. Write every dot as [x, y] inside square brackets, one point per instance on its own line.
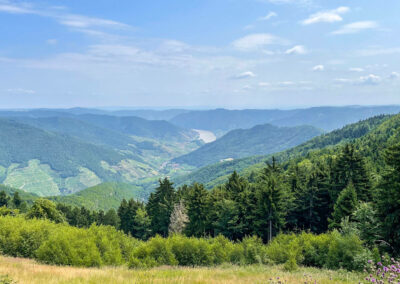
[62, 244]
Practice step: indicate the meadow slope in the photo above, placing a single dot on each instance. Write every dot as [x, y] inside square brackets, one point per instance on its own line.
[24, 271]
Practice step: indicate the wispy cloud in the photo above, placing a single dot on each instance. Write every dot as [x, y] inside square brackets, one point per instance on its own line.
[269, 16]
[356, 69]
[318, 68]
[21, 91]
[370, 79]
[356, 27]
[330, 16]
[394, 76]
[61, 16]
[244, 75]
[298, 49]
[255, 42]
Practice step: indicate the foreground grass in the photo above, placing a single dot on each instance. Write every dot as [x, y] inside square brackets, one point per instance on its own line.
[28, 271]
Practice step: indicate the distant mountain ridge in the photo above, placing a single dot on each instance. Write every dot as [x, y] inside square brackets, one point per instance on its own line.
[326, 118]
[382, 126]
[259, 140]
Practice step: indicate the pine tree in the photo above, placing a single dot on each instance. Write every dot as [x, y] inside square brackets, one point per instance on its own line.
[4, 198]
[141, 224]
[388, 198]
[198, 211]
[178, 219]
[160, 206]
[350, 166]
[270, 209]
[344, 206]
[17, 201]
[111, 218]
[226, 221]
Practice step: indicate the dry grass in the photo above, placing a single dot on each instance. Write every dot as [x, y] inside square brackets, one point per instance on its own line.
[28, 271]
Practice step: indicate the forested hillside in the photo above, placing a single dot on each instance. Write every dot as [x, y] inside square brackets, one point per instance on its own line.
[215, 174]
[259, 140]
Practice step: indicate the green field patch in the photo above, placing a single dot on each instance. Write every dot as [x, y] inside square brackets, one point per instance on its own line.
[85, 178]
[36, 178]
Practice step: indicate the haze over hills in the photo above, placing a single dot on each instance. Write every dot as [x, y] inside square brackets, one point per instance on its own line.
[62, 151]
[385, 128]
[326, 118]
[259, 140]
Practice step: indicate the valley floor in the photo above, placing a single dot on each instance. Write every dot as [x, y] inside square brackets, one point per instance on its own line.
[28, 271]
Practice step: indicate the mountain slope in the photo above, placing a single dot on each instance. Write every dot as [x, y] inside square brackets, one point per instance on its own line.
[49, 163]
[156, 129]
[103, 196]
[216, 174]
[326, 118]
[259, 140]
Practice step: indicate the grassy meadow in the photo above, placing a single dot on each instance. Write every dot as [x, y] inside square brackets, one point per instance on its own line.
[29, 271]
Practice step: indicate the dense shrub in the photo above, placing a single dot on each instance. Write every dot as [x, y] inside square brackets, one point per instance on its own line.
[103, 245]
[62, 244]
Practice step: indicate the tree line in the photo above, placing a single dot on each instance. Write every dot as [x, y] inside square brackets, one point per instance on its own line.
[317, 194]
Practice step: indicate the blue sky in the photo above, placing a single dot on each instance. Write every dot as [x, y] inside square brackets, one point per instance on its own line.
[209, 53]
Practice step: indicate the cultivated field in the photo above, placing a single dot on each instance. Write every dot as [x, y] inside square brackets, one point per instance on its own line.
[28, 271]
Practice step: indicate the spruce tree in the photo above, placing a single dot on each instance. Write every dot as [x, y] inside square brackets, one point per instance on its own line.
[4, 198]
[111, 218]
[344, 206]
[270, 209]
[198, 211]
[388, 198]
[17, 201]
[350, 166]
[141, 224]
[160, 206]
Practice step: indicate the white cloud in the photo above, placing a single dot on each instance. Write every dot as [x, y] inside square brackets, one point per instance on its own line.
[356, 27]
[268, 16]
[285, 83]
[394, 76]
[298, 49]
[255, 42]
[370, 79]
[318, 68]
[244, 75]
[326, 16]
[21, 91]
[8, 7]
[264, 84]
[356, 69]
[80, 21]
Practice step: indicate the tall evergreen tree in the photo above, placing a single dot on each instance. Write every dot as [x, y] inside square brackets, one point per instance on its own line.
[388, 198]
[17, 201]
[141, 224]
[344, 206]
[160, 206]
[270, 209]
[4, 198]
[350, 166]
[198, 211]
[111, 218]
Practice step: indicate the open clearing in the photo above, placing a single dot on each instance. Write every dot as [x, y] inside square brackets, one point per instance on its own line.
[28, 271]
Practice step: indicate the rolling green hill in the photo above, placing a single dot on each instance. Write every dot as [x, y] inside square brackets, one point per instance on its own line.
[101, 197]
[49, 163]
[156, 129]
[383, 126]
[259, 140]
